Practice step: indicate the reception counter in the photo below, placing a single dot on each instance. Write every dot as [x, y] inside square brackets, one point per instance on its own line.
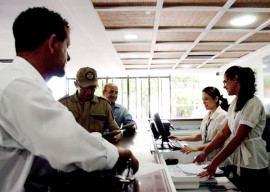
[153, 174]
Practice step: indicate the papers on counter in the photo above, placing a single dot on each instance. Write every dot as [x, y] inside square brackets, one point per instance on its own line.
[194, 168]
[148, 167]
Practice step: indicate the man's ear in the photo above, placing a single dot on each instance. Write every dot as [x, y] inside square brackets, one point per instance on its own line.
[75, 83]
[52, 42]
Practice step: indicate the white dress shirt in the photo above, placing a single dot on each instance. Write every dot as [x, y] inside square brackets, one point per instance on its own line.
[214, 123]
[32, 123]
[252, 152]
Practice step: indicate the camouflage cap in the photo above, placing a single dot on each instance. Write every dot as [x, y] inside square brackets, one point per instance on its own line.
[87, 77]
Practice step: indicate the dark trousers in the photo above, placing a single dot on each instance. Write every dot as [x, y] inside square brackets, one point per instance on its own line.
[227, 171]
[251, 180]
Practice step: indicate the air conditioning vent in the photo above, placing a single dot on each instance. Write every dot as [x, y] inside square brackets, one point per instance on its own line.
[199, 56]
[6, 61]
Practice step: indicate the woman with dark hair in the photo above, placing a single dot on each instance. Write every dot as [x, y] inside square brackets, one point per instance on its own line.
[213, 122]
[245, 125]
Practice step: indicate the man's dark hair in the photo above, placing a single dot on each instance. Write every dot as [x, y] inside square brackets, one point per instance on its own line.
[35, 25]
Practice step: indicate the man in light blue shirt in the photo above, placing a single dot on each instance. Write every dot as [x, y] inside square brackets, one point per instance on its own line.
[122, 116]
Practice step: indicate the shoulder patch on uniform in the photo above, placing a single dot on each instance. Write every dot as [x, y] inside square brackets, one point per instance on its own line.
[64, 97]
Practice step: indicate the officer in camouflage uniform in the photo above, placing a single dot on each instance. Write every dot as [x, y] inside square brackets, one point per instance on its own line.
[92, 112]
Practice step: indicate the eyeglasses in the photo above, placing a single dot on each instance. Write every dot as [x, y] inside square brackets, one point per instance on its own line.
[91, 88]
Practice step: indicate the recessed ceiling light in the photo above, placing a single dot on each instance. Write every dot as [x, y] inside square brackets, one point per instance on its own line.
[243, 20]
[131, 36]
[134, 55]
[186, 66]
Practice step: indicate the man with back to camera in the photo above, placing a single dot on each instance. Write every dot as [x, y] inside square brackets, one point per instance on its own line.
[90, 111]
[41, 126]
[121, 114]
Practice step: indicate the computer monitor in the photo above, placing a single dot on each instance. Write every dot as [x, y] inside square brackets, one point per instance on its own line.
[160, 128]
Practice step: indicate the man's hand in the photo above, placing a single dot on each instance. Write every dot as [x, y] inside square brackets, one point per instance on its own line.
[129, 129]
[113, 137]
[124, 156]
[117, 135]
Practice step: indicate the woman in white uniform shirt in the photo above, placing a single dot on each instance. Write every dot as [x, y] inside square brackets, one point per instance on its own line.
[246, 122]
[213, 122]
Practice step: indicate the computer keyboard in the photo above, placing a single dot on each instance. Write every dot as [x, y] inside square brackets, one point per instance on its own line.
[175, 144]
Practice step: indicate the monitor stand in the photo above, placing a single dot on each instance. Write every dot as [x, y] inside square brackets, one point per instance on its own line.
[162, 144]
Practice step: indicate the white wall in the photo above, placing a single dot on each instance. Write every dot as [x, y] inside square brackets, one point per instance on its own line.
[254, 61]
[58, 86]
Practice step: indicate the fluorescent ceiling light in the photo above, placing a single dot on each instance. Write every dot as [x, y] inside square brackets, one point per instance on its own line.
[243, 20]
[186, 66]
[131, 36]
[134, 55]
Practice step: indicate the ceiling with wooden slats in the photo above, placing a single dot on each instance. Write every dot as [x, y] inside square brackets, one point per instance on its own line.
[172, 34]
